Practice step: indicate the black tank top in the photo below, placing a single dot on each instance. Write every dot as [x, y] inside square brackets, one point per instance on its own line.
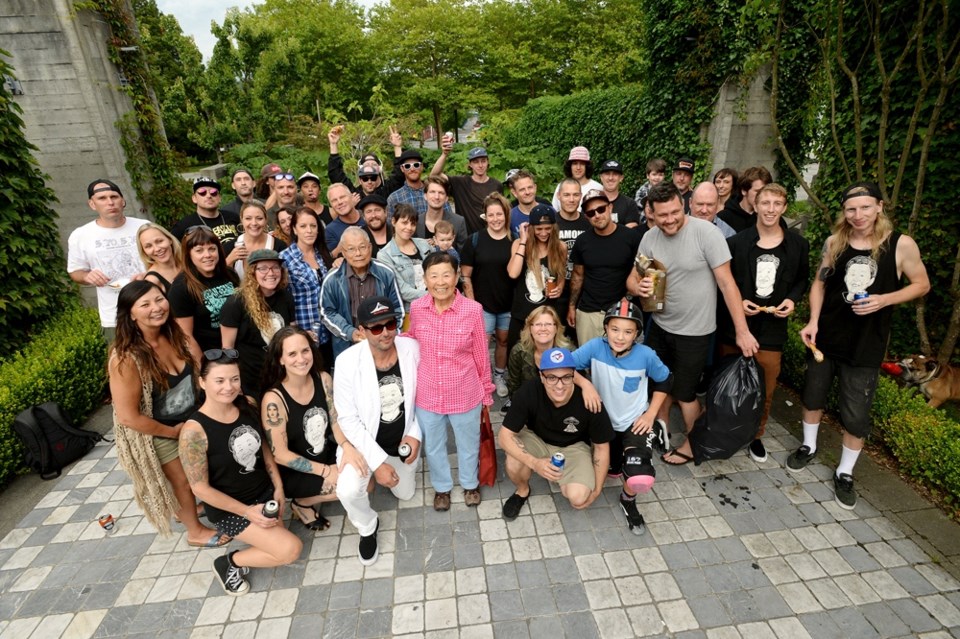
[178, 402]
[164, 283]
[308, 426]
[843, 335]
[234, 459]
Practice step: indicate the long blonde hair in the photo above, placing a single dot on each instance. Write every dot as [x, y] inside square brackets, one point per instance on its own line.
[254, 301]
[174, 246]
[526, 335]
[839, 240]
[556, 255]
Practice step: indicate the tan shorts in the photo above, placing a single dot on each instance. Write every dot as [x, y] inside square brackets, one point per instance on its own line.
[578, 467]
[167, 449]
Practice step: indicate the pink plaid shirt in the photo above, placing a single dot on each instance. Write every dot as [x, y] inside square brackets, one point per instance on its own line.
[454, 372]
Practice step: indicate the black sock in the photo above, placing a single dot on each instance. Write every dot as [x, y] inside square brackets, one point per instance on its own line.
[625, 497]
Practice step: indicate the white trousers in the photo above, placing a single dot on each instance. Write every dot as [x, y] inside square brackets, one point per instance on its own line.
[352, 492]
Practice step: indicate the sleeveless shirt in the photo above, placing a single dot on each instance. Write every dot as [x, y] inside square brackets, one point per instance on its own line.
[308, 426]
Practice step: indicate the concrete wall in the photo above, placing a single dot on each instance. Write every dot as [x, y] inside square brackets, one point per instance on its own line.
[740, 134]
[70, 100]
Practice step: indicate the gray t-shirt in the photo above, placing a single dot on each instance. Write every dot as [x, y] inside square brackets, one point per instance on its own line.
[690, 257]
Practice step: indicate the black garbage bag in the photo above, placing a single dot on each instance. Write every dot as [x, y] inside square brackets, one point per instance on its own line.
[734, 407]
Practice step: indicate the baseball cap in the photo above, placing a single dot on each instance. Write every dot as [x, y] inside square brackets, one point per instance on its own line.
[263, 255]
[579, 154]
[543, 214]
[476, 152]
[270, 170]
[375, 309]
[858, 189]
[364, 171]
[557, 358]
[201, 182]
[110, 186]
[593, 194]
[409, 154]
[241, 169]
[508, 178]
[684, 164]
[307, 176]
[369, 156]
[612, 165]
[373, 198]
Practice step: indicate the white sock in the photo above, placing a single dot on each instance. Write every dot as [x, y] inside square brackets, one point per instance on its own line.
[848, 459]
[810, 436]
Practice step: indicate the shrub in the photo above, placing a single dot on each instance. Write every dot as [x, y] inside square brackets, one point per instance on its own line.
[64, 363]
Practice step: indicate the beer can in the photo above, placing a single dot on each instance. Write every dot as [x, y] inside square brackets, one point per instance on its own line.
[271, 509]
[108, 524]
[558, 460]
[860, 295]
[403, 451]
[317, 327]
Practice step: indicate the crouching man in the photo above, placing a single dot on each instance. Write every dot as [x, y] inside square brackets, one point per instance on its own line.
[548, 416]
[374, 391]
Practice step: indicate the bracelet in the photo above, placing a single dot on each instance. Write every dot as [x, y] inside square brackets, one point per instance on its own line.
[520, 254]
[522, 244]
[326, 468]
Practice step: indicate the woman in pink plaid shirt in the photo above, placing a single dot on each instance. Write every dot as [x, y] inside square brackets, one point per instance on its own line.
[453, 379]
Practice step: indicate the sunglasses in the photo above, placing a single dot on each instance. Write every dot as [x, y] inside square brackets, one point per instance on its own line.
[379, 328]
[412, 165]
[373, 178]
[284, 176]
[214, 354]
[206, 192]
[593, 212]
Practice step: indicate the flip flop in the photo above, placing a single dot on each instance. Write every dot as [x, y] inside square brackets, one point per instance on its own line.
[676, 453]
[215, 541]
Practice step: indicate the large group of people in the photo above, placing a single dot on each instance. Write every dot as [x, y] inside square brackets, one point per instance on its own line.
[280, 348]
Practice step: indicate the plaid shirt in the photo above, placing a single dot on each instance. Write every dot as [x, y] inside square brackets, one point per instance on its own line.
[305, 287]
[414, 197]
[454, 372]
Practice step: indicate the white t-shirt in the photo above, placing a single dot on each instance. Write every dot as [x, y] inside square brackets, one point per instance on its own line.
[113, 251]
[589, 186]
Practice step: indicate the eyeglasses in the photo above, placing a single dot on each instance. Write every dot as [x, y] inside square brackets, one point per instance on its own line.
[379, 328]
[596, 211]
[214, 354]
[356, 250]
[206, 192]
[371, 178]
[544, 325]
[554, 380]
[284, 176]
[275, 268]
[412, 165]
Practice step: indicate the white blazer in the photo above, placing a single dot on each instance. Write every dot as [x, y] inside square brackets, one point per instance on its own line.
[356, 397]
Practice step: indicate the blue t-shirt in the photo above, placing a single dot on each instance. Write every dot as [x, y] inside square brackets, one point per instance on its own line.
[336, 228]
[517, 217]
[621, 381]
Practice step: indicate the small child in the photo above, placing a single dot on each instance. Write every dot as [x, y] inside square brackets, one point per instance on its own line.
[443, 238]
[621, 370]
[656, 171]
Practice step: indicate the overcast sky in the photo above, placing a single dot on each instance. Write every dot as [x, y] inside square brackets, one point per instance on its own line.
[195, 17]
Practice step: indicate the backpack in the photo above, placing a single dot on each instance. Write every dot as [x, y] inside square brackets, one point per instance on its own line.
[51, 440]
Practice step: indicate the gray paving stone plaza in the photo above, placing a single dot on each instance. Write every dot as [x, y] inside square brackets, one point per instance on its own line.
[733, 549]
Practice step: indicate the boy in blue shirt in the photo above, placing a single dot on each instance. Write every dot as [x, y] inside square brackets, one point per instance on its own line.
[622, 370]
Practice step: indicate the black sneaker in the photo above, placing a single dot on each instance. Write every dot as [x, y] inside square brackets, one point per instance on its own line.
[634, 518]
[511, 507]
[846, 496]
[758, 452]
[368, 547]
[799, 459]
[505, 408]
[661, 436]
[230, 576]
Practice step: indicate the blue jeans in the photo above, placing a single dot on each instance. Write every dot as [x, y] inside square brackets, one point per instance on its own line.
[466, 430]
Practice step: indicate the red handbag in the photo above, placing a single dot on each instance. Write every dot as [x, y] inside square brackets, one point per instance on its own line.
[488, 450]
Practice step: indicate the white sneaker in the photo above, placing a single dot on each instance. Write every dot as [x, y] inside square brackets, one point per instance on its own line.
[501, 383]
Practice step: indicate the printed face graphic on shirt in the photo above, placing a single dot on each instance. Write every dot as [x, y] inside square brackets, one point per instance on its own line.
[315, 422]
[535, 290]
[858, 276]
[391, 398]
[177, 400]
[767, 266]
[243, 444]
[276, 323]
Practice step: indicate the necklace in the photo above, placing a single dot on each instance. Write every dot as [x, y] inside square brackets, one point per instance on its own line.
[219, 217]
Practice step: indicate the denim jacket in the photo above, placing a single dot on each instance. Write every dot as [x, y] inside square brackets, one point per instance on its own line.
[403, 268]
[335, 301]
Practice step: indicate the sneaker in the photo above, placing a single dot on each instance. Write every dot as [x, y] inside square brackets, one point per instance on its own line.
[758, 452]
[368, 547]
[799, 459]
[500, 381]
[513, 505]
[441, 501]
[471, 497]
[846, 495]
[634, 518]
[661, 436]
[230, 576]
[505, 408]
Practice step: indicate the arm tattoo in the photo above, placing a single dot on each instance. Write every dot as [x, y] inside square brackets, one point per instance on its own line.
[327, 488]
[269, 434]
[328, 391]
[193, 456]
[300, 464]
[274, 421]
[519, 443]
[596, 461]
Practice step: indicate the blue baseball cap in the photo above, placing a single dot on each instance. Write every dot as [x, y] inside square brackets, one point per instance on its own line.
[556, 358]
[476, 152]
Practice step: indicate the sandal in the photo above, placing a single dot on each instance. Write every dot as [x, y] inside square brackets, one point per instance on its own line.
[302, 513]
[676, 453]
[217, 540]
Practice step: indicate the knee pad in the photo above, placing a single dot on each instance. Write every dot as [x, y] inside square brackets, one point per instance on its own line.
[639, 474]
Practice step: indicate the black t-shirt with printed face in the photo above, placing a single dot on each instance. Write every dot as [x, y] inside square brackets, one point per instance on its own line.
[392, 410]
[492, 286]
[226, 226]
[558, 426]
[607, 261]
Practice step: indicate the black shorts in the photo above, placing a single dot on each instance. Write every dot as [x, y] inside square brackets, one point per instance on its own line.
[230, 524]
[857, 387]
[686, 357]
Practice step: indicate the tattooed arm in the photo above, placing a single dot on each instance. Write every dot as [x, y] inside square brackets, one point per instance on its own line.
[273, 413]
[193, 457]
[601, 464]
[513, 446]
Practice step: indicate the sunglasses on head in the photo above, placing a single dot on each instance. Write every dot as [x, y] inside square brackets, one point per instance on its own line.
[370, 178]
[214, 354]
[593, 212]
[206, 192]
[379, 328]
[411, 165]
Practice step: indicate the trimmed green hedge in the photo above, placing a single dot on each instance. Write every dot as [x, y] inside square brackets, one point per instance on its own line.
[64, 363]
[925, 441]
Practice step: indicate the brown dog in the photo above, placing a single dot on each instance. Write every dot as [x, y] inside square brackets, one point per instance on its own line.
[938, 382]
